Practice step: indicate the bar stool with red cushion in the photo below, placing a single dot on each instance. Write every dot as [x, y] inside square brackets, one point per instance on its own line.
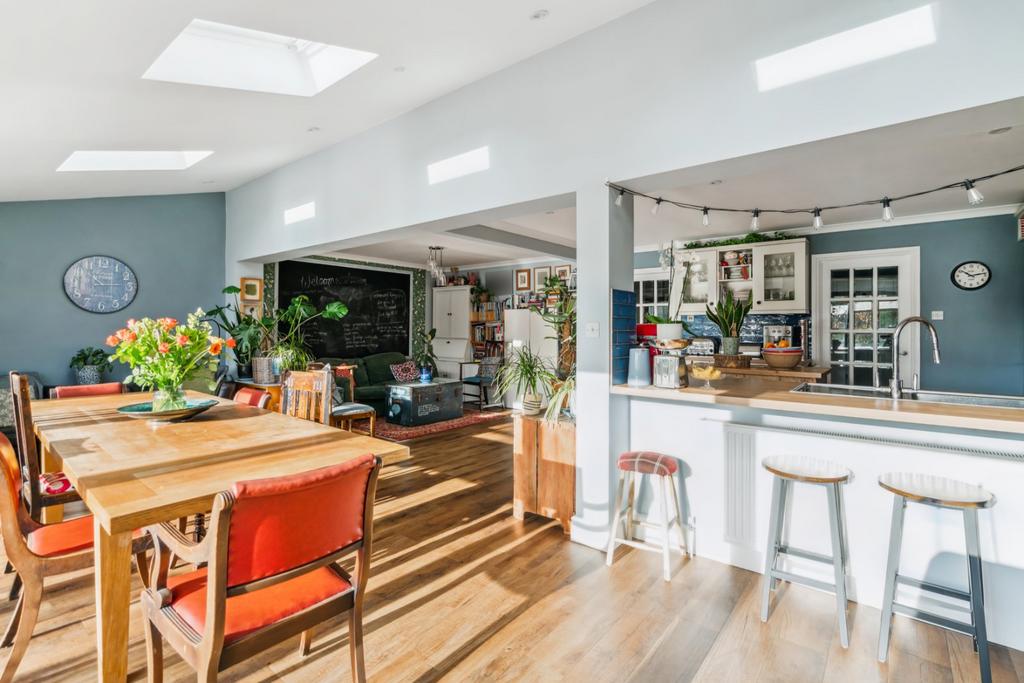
[37, 551]
[264, 582]
[252, 397]
[634, 465]
[85, 390]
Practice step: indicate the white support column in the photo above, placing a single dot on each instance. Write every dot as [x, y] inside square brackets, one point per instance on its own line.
[604, 259]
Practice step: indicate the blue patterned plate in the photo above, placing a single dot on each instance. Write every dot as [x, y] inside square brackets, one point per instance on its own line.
[144, 411]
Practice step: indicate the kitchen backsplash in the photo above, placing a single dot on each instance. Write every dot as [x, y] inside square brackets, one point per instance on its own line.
[751, 331]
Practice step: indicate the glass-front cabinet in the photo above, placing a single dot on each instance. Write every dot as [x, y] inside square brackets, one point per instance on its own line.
[773, 275]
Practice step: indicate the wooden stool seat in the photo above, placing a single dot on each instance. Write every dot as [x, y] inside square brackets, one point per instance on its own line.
[648, 462]
[932, 490]
[802, 468]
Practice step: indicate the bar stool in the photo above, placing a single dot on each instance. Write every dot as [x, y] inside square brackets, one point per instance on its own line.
[632, 466]
[950, 495]
[787, 470]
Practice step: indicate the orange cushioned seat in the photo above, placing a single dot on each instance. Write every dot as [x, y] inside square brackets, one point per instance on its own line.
[253, 611]
[84, 390]
[61, 538]
[648, 462]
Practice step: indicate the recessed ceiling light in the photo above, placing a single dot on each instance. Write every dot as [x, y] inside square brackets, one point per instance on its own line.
[1000, 131]
[131, 160]
[540, 14]
[313, 129]
[716, 182]
[399, 69]
[225, 56]
[473, 161]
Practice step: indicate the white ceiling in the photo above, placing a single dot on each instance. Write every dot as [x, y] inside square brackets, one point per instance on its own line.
[71, 80]
[411, 249]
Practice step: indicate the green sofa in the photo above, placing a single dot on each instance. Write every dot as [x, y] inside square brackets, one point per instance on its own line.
[372, 375]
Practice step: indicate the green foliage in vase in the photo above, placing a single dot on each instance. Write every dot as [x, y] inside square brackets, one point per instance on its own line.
[424, 356]
[729, 314]
[524, 372]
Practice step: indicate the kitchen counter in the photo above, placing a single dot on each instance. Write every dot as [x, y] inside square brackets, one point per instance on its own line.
[775, 395]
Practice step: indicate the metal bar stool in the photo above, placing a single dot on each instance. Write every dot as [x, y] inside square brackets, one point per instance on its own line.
[951, 495]
[632, 466]
[786, 471]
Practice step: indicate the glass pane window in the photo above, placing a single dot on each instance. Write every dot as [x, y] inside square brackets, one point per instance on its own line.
[864, 282]
[863, 315]
[864, 347]
[840, 346]
[647, 292]
[888, 314]
[885, 348]
[864, 376]
[840, 284]
[888, 281]
[840, 315]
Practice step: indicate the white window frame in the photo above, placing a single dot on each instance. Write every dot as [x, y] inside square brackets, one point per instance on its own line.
[652, 275]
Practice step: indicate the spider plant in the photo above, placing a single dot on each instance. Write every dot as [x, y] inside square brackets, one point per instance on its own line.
[525, 374]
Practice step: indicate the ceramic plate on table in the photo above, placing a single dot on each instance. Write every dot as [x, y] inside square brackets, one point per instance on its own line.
[144, 411]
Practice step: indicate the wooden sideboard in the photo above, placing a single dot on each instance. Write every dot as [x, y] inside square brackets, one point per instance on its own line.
[544, 474]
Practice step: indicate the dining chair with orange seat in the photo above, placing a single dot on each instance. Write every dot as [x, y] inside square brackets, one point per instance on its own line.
[307, 394]
[37, 551]
[252, 397]
[38, 489]
[84, 390]
[263, 583]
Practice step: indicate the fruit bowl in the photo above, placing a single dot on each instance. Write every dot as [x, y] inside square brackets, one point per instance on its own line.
[782, 359]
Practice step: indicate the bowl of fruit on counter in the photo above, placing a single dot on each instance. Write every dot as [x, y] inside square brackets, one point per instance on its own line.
[781, 355]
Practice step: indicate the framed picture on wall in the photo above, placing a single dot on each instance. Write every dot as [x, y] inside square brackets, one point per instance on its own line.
[253, 308]
[252, 289]
[540, 274]
[563, 272]
[523, 280]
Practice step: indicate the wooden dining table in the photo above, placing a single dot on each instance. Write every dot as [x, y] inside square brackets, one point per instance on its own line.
[132, 473]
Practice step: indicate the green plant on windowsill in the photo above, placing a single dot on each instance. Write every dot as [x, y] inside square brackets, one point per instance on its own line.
[526, 374]
[89, 365]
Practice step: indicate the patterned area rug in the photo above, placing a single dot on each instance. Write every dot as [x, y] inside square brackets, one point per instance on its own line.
[396, 432]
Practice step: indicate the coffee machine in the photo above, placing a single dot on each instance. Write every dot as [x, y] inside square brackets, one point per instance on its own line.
[775, 333]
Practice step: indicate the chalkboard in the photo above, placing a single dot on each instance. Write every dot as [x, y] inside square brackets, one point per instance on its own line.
[378, 307]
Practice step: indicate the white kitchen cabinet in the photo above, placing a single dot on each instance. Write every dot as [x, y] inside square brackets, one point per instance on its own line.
[695, 284]
[450, 314]
[781, 277]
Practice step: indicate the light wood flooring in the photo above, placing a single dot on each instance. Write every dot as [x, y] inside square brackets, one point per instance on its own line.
[460, 591]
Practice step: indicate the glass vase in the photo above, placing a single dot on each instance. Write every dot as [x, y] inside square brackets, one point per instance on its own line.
[169, 398]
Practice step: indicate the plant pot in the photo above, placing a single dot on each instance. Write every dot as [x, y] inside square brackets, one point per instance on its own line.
[426, 375]
[263, 370]
[244, 369]
[89, 374]
[532, 404]
[730, 346]
[171, 398]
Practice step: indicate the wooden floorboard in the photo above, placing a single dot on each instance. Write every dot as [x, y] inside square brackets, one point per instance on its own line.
[460, 591]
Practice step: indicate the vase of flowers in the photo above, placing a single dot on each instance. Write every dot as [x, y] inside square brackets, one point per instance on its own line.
[164, 354]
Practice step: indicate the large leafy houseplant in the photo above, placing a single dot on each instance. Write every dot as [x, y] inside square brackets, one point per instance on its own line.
[424, 355]
[525, 374]
[164, 354]
[560, 314]
[290, 344]
[89, 365]
[249, 332]
[729, 315]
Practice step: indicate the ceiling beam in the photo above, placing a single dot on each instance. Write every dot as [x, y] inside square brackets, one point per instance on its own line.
[485, 233]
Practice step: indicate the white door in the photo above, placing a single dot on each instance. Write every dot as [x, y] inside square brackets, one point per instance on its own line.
[858, 299]
[459, 310]
[442, 313]
[780, 278]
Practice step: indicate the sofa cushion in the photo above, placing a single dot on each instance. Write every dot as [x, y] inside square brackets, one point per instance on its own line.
[378, 366]
[405, 372]
[374, 392]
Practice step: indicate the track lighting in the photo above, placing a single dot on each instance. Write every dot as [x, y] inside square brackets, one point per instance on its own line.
[755, 222]
[618, 200]
[887, 214]
[974, 197]
[818, 223]
[657, 205]
[706, 218]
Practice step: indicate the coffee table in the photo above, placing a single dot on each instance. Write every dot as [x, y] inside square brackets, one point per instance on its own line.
[417, 403]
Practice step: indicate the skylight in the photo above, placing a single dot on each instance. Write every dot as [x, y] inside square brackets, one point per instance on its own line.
[473, 161]
[131, 160]
[867, 43]
[302, 212]
[225, 56]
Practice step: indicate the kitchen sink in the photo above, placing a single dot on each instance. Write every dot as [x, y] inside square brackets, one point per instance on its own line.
[987, 400]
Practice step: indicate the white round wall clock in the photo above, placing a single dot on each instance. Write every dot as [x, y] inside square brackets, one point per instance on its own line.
[971, 275]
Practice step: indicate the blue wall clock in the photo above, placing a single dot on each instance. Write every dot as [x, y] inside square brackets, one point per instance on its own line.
[100, 284]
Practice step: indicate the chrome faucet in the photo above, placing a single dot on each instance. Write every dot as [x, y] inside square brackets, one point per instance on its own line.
[896, 384]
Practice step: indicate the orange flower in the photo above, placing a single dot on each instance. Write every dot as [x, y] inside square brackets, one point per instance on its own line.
[164, 347]
[124, 334]
[132, 336]
[167, 323]
[182, 340]
[215, 348]
[231, 343]
[112, 340]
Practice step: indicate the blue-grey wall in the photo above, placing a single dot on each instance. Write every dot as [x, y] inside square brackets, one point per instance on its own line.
[501, 280]
[175, 245]
[982, 333]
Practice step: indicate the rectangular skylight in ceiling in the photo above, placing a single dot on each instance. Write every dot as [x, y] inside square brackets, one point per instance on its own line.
[225, 56]
[131, 160]
[302, 212]
[867, 43]
[473, 161]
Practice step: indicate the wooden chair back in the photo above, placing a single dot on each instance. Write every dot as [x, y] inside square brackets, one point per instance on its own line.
[14, 520]
[28, 454]
[307, 394]
[82, 390]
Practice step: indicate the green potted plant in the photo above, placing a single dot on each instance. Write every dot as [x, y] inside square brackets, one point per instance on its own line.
[527, 375]
[424, 356]
[480, 294]
[729, 315]
[289, 348]
[248, 331]
[560, 314]
[89, 365]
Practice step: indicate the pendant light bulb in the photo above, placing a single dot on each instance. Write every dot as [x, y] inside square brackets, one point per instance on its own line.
[974, 196]
[818, 223]
[654, 209]
[618, 200]
[706, 218]
[887, 214]
[755, 221]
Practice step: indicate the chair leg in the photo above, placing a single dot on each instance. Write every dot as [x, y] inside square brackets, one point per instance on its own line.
[613, 532]
[977, 592]
[8, 568]
[355, 642]
[12, 626]
[892, 568]
[835, 494]
[684, 546]
[15, 587]
[143, 567]
[305, 642]
[154, 654]
[634, 483]
[33, 596]
[373, 424]
[772, 549]
[666, 559]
